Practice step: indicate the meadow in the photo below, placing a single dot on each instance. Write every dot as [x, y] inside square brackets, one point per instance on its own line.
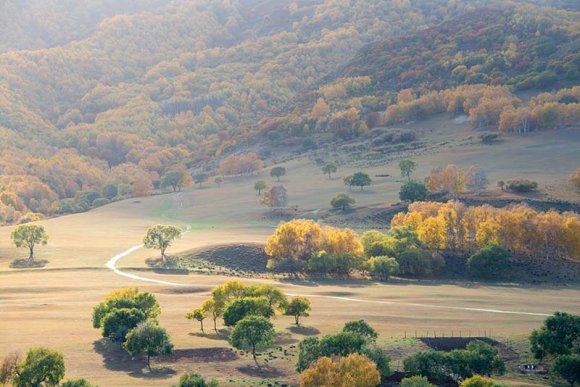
[52, 306]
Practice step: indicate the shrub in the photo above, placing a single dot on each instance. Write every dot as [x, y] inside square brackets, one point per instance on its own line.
[383, 267]
[490, 261]
[521, 185]
[480, 381]
[418, 262]
[192, 379]
[416, 381]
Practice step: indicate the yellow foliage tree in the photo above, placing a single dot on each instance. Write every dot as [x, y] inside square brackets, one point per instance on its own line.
[352, 370]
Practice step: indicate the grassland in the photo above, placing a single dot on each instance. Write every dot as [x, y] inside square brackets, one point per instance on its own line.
[52, 306]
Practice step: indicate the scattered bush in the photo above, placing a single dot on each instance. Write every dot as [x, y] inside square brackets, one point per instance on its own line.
[521, 185]
[383, 267]
[416, 381]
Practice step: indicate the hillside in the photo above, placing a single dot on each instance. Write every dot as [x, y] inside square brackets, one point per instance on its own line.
[149, 92]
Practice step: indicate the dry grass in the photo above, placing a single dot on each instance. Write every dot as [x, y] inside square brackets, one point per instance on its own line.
[52, 306]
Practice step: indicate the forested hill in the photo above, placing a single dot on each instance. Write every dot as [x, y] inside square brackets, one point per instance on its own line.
[134, 90]
[32, 24]
[512, 47]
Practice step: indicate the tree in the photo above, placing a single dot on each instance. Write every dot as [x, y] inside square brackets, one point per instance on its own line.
[29, 235]
[218, 180]
[568, 368]
[342, 201]
[240, 308]
[298, 307]
[501, 184]
[192, 379]
[259, 186]
[416, 381]
[521, 185]
[407, 167]
[42, 366]
[560, 335]
[160, 237]
[198, 314]
[149, 339]
[275, 197]
[490, 261]
[449, 179]
[383, 267]
[413, 191]
[213, 309]
[278, 172]
[252, 331]
[476, 180]
[362, 328]
[173, 179]
[360, 179]
[340, 344]
[329, 169]
[200, 178]
[574, 179]
[352, 370]
[118, 322]
[127, 298]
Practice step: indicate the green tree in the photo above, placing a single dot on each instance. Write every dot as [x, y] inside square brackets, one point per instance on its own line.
[340, 344]
[383, 267]
[29, 235]
[198, 314]
[118, 322]
[360, 179]
[431, 364]
[240, 308]
[192, 379]
[42, 366]
[173, 179]
[126, 298]
[160, 237]
[149, 339]
[413, 191]
[218, 180]
[200, 178]
[416, 381]
[278, 172]
[259, 186]
[110, 191]
[252, 331]
[560, 335]
[407, 167]
[568, 368]
[276, 298]
[490, 261]
[342, 201]
[298, 307]
[362, 328]
[329, 169]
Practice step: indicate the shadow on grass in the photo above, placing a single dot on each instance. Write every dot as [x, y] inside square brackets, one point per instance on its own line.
[201, 355]
[28, 264]
[303, 330]
[116, 359]
[264, 371]
[212, 335]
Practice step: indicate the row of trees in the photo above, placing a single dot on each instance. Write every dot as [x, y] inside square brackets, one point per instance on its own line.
[248, 309]
[519, 229]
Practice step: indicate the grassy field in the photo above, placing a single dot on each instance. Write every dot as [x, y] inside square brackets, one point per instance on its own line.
[52, 306]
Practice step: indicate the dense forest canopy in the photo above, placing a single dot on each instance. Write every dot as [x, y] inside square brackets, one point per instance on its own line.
[128, 91]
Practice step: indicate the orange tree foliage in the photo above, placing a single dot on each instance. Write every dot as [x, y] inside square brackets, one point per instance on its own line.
[519, 229]
[352, 370]
[575, 178]
[449, 179]
[300, 239]
[243, 164]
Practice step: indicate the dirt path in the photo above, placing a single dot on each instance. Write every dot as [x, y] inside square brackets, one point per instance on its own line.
[112, 264]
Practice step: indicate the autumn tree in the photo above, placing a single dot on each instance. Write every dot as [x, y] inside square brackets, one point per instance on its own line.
[275, 197]
[278, 172]
[198, 314]
[149, 339]
[297, 307]
[329, 169]
[160, 237]
[213, 309]
[342, 201]
[259, 186]
[449, 179]
[246, 163]
[407, 167]
[29, 235]
[351, 370]
[252, 331]
[476, 180]
[320, 109]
